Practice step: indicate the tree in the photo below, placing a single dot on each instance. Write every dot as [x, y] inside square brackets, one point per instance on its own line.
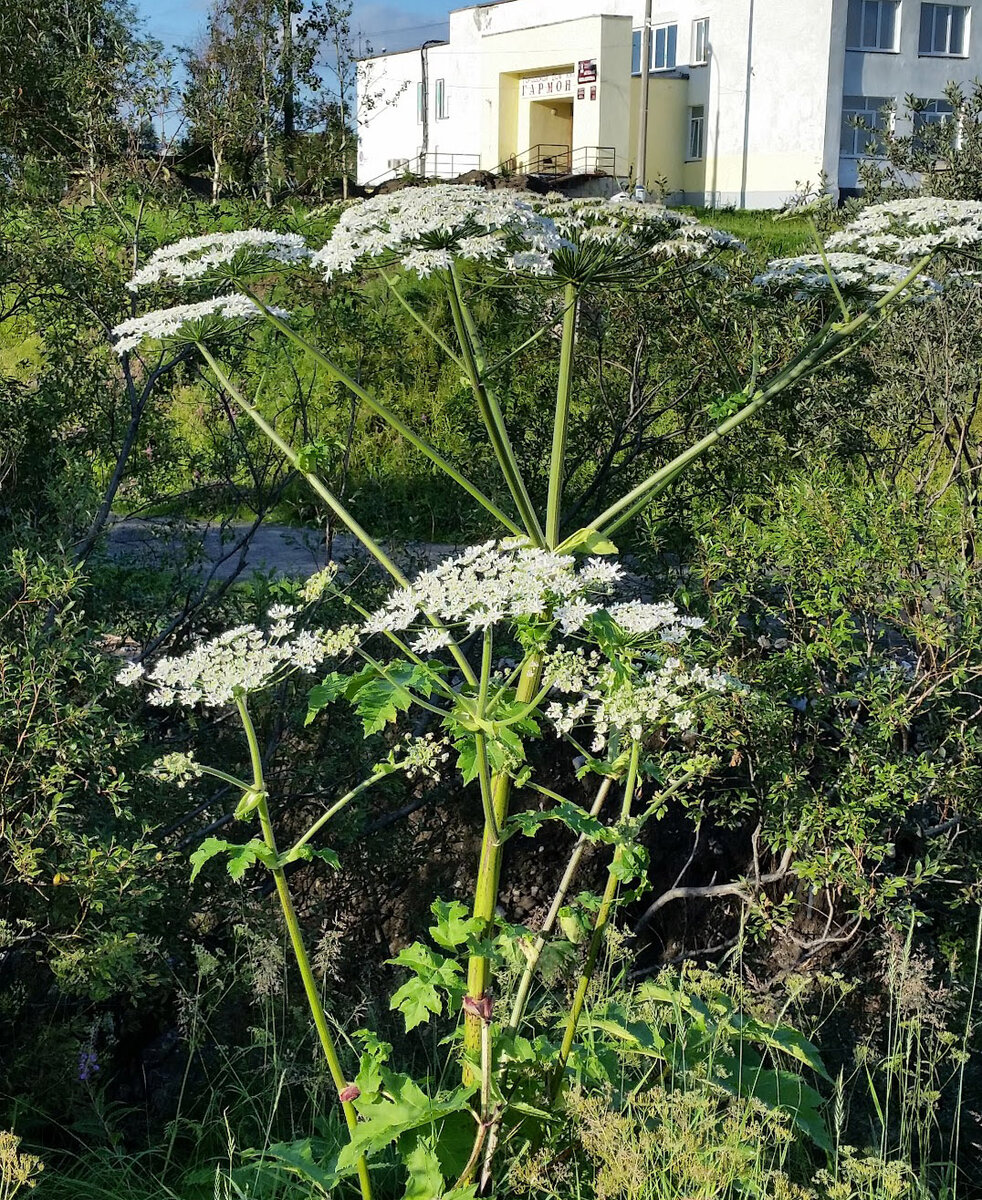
[65, 75]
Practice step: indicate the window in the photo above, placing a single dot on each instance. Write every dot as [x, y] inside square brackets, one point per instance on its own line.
[420, 100]
[662, 49]
[927, 113]
[862, 117]
[872, 25]
[441, 100]
[944, 29]
[664, 43]
[700, 42]
[697, 133]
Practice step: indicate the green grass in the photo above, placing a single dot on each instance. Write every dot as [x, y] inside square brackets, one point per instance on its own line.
[764, 232]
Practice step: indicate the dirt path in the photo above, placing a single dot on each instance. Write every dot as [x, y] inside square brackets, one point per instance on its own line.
[159, 542]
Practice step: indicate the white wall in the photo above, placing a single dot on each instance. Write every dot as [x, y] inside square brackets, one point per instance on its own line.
[772, 91]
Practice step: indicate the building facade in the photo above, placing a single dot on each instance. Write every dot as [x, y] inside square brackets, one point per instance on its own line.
[747, 100]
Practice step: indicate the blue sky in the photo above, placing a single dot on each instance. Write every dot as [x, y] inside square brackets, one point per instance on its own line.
[390, 26]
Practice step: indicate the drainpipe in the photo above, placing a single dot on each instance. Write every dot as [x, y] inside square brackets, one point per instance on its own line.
[641, 172]
[424, 59]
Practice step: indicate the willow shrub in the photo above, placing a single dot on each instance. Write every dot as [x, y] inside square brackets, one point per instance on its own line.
[614, 684]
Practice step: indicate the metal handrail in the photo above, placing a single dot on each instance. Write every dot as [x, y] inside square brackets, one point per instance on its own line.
[552, 158]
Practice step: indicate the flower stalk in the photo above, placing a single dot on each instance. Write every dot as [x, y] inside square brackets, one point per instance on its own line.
[296, 940]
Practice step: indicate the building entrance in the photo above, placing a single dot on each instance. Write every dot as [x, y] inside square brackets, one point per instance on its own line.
[551, 130]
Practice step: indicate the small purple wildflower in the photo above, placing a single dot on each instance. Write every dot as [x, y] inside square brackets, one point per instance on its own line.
[88, 1064]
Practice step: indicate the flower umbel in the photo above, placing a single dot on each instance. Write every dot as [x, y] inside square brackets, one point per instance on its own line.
[219, 315]
[243, 660]
[248, 250]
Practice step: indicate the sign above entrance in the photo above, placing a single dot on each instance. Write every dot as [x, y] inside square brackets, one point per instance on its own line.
[546, 87]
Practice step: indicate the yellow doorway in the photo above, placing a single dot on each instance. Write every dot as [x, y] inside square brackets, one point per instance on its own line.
[551, 125]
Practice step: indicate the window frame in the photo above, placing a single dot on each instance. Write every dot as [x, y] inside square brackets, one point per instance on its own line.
[697, 121]
[636, 40]
[868, 110]
[420, 103]
[700, 30]
[862, 48]
[921, 117]
[440, 106]
[950, 10]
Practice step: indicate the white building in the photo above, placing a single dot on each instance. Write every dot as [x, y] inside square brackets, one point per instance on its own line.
[747, 99]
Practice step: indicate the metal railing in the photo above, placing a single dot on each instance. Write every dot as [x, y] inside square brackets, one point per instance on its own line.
[435, 165]
[555, 160]
[438, 165]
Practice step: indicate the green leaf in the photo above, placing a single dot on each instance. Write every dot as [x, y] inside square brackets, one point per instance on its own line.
[298, 1158]
[420, 997]
[454, 926]
[571, 815]
[778, 1090]
[425, 1179]
[786, 1039]
[324, 693]
[402, 1108]
[207, 850]
[416, 999]
[466, 747]
[587, 541]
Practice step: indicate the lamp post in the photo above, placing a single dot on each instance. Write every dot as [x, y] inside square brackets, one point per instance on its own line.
[640, 190]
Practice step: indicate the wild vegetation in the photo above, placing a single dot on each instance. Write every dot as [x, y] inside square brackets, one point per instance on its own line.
[603, 822]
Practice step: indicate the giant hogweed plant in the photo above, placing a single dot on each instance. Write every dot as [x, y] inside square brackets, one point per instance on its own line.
[613, 679]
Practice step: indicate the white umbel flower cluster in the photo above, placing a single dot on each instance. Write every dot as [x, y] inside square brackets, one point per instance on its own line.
[853, 274]
[608, 704]
[635, 227]
[491, 583]
[906, 230]
[196, 257]
[237, 662]
[218, 315]
[427, 228]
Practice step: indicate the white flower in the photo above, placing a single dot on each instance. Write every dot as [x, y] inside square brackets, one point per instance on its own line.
[430, 640]
[319, 582]
[572, 615]
[854, 274]
[132, 673]
[636, 617]
[217, 315]
[242, 660]
[428, 227]
[195, 257]
[423, 757]
[909, 229]
[176, 768]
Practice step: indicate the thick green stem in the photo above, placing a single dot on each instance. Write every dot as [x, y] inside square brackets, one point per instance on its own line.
[332, 502]
[599, 930]
[386, 413]
[489, 870]
[816, 354]
[297, 942]
[560, 425]
[489, 409]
